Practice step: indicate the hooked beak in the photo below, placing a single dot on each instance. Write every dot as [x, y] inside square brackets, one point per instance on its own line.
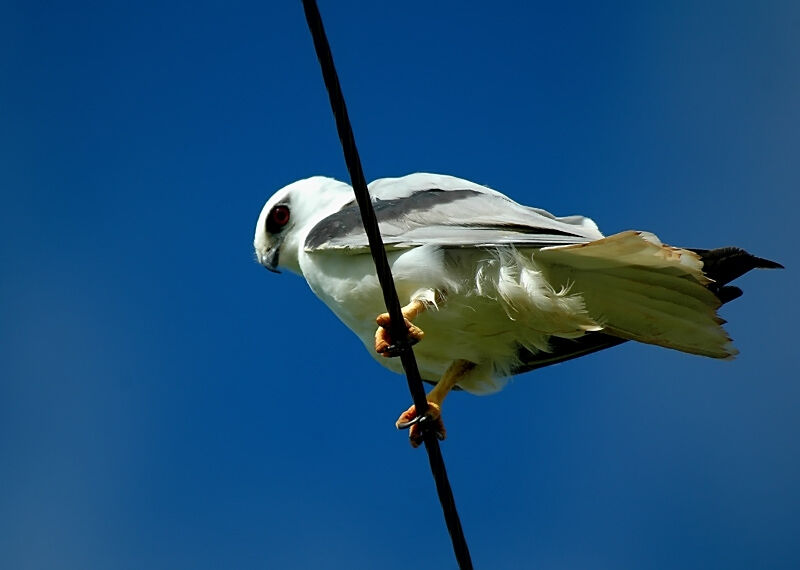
[269, 259]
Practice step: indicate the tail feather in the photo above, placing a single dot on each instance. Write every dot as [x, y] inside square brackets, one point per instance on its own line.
[719, 267]
[642, 290]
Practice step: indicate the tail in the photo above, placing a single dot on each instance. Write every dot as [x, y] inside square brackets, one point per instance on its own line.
[640, 289]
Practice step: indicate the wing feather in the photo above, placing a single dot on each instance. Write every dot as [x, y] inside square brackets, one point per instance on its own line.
[429, 209]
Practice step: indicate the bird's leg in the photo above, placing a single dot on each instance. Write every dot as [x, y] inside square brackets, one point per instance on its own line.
[383, 342]
[433, 417]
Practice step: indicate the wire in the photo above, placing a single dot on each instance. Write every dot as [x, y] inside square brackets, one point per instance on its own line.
[397, 329]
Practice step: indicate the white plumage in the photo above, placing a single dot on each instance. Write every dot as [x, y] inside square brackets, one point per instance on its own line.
[501, 282]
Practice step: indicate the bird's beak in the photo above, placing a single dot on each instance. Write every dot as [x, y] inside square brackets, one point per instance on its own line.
[269, 259]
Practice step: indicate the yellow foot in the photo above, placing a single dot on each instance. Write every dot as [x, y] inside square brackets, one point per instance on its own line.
[415, 430]
[383, 340]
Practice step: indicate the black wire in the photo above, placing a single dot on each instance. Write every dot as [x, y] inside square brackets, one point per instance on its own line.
[397, 330]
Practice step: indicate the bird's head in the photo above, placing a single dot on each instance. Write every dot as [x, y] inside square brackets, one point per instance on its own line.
[290, 214]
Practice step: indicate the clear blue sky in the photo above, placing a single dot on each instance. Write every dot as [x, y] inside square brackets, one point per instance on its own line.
[167, 403]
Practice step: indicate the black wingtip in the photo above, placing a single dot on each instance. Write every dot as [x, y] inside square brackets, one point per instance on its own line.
[725, 264]
[766, 263]
[727, 293]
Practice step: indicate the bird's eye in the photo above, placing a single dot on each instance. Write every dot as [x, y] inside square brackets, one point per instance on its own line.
[278, 217]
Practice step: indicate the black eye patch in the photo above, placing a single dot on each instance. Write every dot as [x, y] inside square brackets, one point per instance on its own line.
[277, 218]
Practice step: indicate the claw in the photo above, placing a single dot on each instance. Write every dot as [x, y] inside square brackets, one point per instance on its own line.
[409, 423]
[396, 349]
[418, 426]
[383, 341]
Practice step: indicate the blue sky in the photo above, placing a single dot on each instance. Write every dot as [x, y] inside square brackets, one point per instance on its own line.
[167, 403]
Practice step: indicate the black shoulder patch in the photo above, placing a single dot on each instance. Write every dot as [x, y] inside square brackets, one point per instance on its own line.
[348, 219]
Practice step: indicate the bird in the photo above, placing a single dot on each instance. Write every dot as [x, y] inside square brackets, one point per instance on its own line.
[491, 288]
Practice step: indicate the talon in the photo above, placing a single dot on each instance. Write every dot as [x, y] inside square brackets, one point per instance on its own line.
[419, 425]
[396, 349]
[383, 341]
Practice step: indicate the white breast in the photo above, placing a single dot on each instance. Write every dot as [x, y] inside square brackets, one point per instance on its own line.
[495, 303]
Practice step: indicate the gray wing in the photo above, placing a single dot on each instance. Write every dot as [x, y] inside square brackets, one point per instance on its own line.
[429, 209]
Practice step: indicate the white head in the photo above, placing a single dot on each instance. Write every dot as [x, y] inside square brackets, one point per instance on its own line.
[290, 214]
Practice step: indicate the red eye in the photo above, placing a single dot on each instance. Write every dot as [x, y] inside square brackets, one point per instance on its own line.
[278, 217]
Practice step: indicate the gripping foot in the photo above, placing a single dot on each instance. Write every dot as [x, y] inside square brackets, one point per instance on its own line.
[418, 425]
[384, 344]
